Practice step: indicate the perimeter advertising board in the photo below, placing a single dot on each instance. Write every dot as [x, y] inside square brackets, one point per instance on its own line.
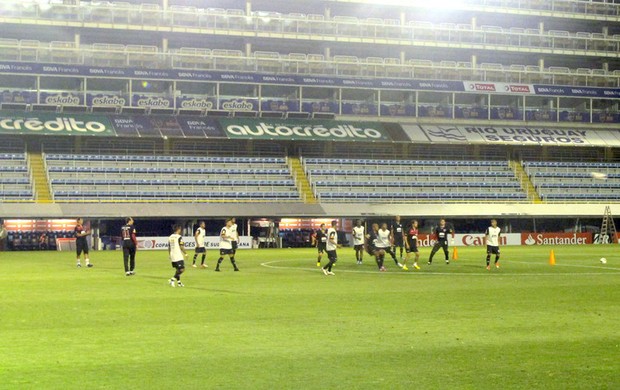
[211, 242]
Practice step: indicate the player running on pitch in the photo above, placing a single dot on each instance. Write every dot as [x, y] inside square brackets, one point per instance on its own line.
[319, 239]
[411, 245]
[491, 238]
[199, 236]
[358, 241]
[441, 235]
[397, 236]
[331, 246]
[177, 254]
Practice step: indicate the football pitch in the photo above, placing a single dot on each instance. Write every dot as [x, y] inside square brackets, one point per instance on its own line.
[280, 323]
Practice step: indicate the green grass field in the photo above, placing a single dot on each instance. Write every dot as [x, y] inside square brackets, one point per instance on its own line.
[286, 325]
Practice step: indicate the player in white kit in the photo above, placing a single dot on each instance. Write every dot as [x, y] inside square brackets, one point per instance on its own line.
[358, 241]
[177, 254]
[383, 244]
[491, 237]
[226, 247]
[199, 236]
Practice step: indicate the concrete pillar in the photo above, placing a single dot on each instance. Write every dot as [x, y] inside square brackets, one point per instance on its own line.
[248, 7]
[541, 27]
[403, 57]
[76, 39]
[248, 49]
[474, 61]
[403, 18]
[164, 44]
[327, 53]
[541, 64]
[474, 22]
[327, 13]
[164, 4]
[605, 30]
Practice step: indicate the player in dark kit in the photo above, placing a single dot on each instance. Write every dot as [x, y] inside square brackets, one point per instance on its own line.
[320, 240]
[398, 236]
[130, 243]
[441, 233]
[411, 244]
[81, 243]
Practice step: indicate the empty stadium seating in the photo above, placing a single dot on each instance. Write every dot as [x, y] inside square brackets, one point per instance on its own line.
[374, 180]
[15, 182]
[573, 181]
[131, 177]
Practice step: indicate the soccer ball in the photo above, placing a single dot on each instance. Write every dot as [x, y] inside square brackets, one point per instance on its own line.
[603, 260]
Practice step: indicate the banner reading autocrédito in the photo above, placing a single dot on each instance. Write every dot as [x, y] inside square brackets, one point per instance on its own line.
[314, 130]
[14, 122]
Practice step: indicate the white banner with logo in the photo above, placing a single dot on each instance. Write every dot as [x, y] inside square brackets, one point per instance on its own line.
[211, 242]
[471, 239]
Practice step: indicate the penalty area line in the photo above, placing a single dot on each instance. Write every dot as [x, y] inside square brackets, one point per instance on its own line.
[270, 264]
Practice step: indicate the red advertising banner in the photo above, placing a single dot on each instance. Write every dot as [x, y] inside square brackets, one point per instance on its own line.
[556, 238]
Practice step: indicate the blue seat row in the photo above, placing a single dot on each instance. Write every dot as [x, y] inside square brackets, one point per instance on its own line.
[411, 173]
[153, 170]
[8, 180]
[190, 159]
[579, 185]
[20, 193]
[570, 164]
[14, 169]
[581, 196]
[176, 195]
[180, 182]
[13, 156]
[405, 162]
[569, 175]
[415, 184]
[425, 195]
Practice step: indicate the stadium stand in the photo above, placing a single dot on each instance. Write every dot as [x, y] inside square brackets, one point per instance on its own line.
[570, 181]
[368, 180]
[124, 177]
[15, 177]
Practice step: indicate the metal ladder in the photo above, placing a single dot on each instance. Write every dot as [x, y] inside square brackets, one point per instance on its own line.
[608, 229]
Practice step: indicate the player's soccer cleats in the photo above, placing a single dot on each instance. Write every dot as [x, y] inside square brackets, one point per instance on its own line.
[236, 269]
[400, 265]
[488, 267]
[79, 265]
[429, 263]
[127, 273]
[217, 269]
[331, 273]
[447, 261]
[179, 284]
[382, 269]
[194, 265]
[416, 266]
[172, 283]
[324, 271]
[496, 265]
[89, 265]
[318, 263]
[132, 273]
[405, 268]
[204, 265]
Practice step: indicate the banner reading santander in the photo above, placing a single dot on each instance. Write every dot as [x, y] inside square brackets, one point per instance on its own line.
[556, 238]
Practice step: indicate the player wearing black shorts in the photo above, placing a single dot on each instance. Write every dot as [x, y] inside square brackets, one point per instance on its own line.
[491, 238]
[226, 248]
[358, 241]
[177, 255]
[331, 246]
[441, 235]
[130, 244]
[320, 241]
[411, 244]
[81, 242]
[199, 237]
[398, 235]
[235, 237]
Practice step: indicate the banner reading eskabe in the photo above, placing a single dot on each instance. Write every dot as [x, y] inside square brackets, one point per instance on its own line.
[314, 130]
[12, 122]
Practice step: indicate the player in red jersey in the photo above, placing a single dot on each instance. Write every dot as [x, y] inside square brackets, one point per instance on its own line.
[411, 244]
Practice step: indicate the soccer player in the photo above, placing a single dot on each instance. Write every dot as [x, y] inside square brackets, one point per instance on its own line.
[320, 240]
[398, 235]
[177, 255]
[331, 246]
[226, 248]
[491, 238]
[199, 236]
[441, 235]
[81, 243]
[130, 243]
[383, 244]
[411, 245]
[235, 236]
[358, 241]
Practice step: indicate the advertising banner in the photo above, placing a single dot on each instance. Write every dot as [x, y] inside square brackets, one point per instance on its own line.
[211, 242]
[19, 122]
[200, 127]
[470, 239]
[61, 98]
[242, 104]
[106, 100]
[152, 101]
[556, 238]
[196, 103]
[507, 135]
[327, 130]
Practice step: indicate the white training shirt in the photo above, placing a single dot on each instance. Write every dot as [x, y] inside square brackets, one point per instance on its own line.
[175, 241]
[226, 242]
[200, 237]
[383, 239]
[235, 235]
[358, 235]
[332, 234]
[492, 235]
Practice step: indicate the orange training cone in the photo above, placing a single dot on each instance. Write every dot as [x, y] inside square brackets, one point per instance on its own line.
[552, 258]
[455, 254]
